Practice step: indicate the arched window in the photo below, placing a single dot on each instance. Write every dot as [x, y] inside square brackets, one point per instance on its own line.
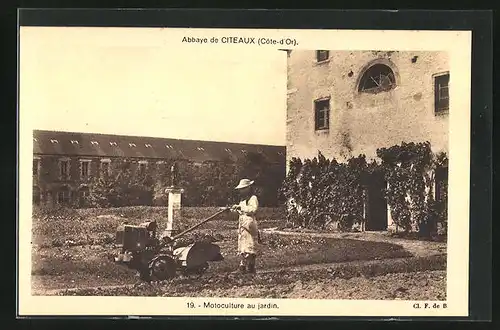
[378, 78]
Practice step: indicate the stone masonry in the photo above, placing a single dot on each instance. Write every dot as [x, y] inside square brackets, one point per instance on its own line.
[359, 122]
[362, 122]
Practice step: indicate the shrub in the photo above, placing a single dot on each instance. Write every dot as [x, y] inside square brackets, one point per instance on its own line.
[206, 184]
[121, 188]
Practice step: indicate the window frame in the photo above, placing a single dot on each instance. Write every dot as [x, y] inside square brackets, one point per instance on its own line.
[65, 176]
[441, 177]
[88, 164]
[83, 194]
[318, 55]
[36, 192]
[326, 117]
[379, 88]
[142, 167]
[38, 161]
[66, 193]
[439, 110]
[106, 161]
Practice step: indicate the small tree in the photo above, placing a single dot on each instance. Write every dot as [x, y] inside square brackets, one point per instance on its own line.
[267, 176]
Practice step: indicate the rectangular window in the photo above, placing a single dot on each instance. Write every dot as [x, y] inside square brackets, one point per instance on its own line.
[36, 196]
[322, 114]
[36, 164]
[105, 168]
[142, 167]
[322, 55]
[84, 169]
[441, 95]
[63, 197]
[64, 169]
[441, 184]
[83, 195]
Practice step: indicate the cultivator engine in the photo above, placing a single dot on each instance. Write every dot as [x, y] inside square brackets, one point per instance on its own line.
[156, 258]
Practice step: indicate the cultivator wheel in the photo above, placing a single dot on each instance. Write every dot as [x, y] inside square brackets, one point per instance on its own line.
[163, 268]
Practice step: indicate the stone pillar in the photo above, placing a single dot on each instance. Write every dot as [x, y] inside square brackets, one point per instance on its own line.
[365, 208]
[391, 226]
[174, 210]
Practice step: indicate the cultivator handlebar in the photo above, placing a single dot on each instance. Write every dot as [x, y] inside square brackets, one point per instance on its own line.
[170, 240]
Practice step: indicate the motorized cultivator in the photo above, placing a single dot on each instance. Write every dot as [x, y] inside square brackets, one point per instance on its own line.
[156, 259]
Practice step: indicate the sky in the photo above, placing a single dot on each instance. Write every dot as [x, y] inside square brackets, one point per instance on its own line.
[146, 82]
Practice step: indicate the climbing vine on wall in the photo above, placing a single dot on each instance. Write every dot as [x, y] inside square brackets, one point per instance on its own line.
[327, 190]
[320, 186]
[441, 162]
[409, 194]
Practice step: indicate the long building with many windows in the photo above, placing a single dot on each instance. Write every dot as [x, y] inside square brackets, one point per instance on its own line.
[64, 163]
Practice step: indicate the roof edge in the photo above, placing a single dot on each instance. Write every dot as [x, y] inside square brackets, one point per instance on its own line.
[35, 131]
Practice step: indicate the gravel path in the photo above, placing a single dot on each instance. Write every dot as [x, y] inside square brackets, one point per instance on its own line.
[416, 247]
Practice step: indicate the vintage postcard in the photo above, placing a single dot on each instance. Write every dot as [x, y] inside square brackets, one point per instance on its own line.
[243, 172]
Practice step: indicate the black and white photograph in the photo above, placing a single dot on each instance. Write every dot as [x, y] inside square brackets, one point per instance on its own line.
[244, 171]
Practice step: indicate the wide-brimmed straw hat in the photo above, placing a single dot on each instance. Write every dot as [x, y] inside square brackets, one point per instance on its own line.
[244, 183]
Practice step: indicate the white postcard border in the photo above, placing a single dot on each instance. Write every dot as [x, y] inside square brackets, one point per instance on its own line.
[456, 43]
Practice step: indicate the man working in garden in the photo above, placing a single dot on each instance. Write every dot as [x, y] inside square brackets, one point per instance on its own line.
[248, 233]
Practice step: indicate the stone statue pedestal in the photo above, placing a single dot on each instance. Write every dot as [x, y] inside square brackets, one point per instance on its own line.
[174, 210]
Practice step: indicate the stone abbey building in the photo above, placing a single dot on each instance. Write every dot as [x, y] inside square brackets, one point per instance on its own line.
[64, 163]
[347, 103]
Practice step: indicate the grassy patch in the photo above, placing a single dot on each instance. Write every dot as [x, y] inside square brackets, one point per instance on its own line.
[282, 251]
[63, 227]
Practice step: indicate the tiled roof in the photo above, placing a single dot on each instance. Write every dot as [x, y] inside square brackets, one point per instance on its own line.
[106, 145]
